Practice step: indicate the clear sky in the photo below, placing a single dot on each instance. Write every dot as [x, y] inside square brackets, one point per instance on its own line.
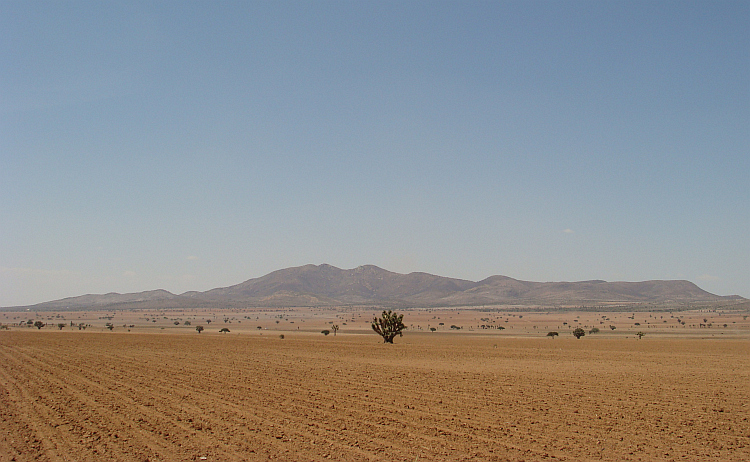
[192, 145]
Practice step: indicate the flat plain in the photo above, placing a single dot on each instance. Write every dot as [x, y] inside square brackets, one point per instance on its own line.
[163, 392]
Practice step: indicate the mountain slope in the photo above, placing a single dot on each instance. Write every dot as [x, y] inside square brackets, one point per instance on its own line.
[326, 285]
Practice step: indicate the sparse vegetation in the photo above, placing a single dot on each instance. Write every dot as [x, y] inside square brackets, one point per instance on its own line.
[389, 325]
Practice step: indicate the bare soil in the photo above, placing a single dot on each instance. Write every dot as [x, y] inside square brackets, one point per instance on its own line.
[484, 395]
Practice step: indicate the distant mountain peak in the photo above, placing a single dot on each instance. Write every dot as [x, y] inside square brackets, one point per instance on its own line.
[325, 284]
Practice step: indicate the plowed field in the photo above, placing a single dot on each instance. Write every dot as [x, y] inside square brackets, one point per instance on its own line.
[79, 396]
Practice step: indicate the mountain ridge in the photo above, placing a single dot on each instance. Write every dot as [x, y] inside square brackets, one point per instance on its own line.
[327, 285]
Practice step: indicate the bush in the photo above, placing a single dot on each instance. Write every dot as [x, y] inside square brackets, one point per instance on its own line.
[224, 329]
[595, 330]
[199, 329]
[578, 333]
[389, 325]
[552, 334]
[325, 331]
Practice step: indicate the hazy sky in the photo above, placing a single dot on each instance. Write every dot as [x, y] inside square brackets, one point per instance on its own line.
[191, 145]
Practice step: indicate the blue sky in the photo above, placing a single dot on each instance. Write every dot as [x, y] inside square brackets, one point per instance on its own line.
[192, 145]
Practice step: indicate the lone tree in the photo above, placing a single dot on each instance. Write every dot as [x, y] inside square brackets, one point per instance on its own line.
[334, 328]
[389, 326]
[39, 325]
[578, 333]
[199, 329]
[640, 334]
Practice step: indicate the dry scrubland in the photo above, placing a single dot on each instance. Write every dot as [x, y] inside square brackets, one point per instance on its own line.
[144, 395]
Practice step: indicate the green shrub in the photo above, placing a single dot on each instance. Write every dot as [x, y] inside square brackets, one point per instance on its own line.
[389, 325]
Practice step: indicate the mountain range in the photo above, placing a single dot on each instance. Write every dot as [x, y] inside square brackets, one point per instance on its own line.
[326, 285]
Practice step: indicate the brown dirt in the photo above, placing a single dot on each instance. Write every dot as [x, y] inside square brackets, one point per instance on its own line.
[77, 396]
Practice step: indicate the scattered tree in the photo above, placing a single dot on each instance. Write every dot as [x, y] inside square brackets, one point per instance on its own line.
[612, 327]
[334, 328]
[39, 324]
[199, 329]
[432, 329]
[187, 323]
[177, 323]
[552, 334]
[640, 334]
[110, 326]
[578, 333]
[389, 326]
[60, 325]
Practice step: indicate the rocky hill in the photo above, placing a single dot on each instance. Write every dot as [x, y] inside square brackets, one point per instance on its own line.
[326, 285]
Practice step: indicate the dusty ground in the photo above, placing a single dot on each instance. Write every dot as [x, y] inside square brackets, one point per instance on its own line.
[450, 395]
[675, 324]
